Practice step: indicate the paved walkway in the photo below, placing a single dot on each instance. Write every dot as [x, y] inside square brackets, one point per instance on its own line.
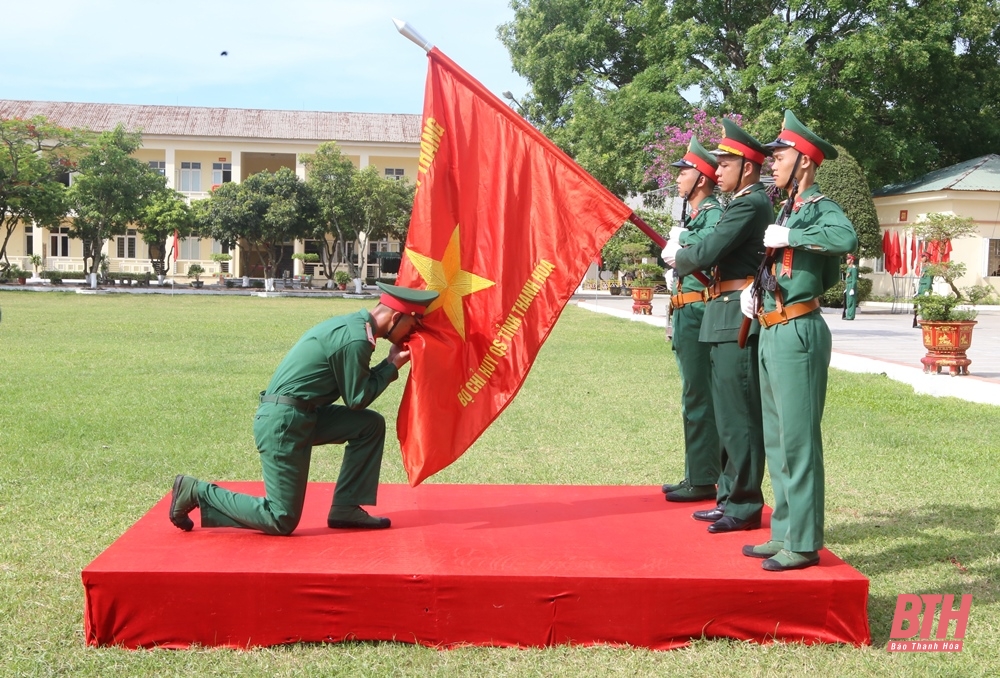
[877, 341]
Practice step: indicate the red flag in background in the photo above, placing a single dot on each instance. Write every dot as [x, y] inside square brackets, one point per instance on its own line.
[903, 255]
[946, 251]
[886, 252]
[934, 250]
[504, 225]
[914, 259]
[894, 253]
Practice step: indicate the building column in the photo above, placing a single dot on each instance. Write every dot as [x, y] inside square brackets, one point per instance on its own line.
[300, 168]
[170, 167]
[237, 170]
[364, 161]
[298, 247]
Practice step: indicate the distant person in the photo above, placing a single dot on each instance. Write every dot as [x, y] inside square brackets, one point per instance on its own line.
[926, 282]
[850, 288]
[297, 412]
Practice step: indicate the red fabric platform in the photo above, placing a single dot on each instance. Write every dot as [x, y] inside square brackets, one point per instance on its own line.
[526, 565]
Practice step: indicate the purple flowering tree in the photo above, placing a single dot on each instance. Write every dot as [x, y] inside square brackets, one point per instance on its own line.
[671, 143]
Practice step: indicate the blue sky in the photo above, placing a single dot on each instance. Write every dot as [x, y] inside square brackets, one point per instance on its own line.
[328, 55]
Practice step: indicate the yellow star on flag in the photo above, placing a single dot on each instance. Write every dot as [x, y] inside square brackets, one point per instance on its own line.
[448, 278]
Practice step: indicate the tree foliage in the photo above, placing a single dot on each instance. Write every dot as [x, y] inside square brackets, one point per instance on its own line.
[353, 205]
[166, 214]
[111, 191]
[33, 155]
[843, 180]
[259, 215]
[905, 86]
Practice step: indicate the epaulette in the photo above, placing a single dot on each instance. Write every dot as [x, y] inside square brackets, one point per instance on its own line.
[815, 198]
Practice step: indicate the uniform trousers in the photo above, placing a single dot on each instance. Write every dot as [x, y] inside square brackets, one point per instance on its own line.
[702, 465]
[285, 436]
[736, 399]
[794, 360]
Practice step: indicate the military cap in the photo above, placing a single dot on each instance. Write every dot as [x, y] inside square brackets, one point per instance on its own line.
[796, 135]
[406, 300]
[700, 159]
[738, 142]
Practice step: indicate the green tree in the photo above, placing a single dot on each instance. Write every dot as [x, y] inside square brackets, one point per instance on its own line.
[111, 191]
[844, 181]
[353, 205]
[167, 213]
[33, 155]
[264, 212]
[905, 86]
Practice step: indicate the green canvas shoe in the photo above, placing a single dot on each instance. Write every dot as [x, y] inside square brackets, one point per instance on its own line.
[183, 499]
[768, 550]
[791, 560]
[673, 487]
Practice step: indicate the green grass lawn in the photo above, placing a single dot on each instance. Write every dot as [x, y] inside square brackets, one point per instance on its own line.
[106, 398]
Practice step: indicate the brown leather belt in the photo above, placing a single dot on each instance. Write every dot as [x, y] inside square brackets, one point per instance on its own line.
[685, 298]
[720, 288]
[783, 315]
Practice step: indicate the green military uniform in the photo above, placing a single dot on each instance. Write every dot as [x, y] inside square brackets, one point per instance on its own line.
[926, 281]
[297, 412]
[702, 465]
[850, 291]
[795, 357]
[734, 247]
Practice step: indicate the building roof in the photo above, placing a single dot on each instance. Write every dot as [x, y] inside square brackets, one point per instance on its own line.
[978, 174]
[223, 122]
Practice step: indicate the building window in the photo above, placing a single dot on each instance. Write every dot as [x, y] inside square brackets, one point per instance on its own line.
[190, 177]
[222, 173]
[29, 240]
[126, 245]
[158, 166]
[59, 241]
[191, 249]
[993, 259]
[880, 264]
[393, 173]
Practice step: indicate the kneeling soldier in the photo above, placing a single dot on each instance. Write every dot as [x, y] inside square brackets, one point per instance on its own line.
[331, 361]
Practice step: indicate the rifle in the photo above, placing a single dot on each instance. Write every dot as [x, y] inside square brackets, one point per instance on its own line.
[763, 280]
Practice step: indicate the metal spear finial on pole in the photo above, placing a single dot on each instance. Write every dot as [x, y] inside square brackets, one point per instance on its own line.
[410, 33]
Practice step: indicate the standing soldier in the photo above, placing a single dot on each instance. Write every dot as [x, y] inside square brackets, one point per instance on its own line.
[696, 184]
[850, 288]
[734, 248]
[795, 348]
[926, 282]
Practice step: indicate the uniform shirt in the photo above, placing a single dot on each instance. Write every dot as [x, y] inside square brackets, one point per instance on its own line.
[332, 360]
[819, 233]
[704, 218]
[736, 247]
[851, 278]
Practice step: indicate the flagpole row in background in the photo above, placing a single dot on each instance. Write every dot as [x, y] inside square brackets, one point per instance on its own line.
[412, 34]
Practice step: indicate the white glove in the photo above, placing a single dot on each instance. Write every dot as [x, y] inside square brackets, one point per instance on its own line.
[670, 251]
[776, 236]
[676, 232]
[851, 293]
[670, 279]
[748, 302]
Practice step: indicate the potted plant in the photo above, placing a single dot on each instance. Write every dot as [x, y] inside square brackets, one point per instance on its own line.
[342, 278]
[221, 260]
[196, 270]
[15, 273]
[36, 263]
[946, 332]
[642, 288]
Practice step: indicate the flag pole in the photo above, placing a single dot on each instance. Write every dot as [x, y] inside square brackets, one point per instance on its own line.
[662, 242]
[408, 32]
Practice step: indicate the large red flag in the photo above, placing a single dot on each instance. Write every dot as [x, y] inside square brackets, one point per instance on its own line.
[504, 225]
[894, 253]
[903, 254]
[886, 252]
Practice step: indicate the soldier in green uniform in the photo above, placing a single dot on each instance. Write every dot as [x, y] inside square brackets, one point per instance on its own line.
[926, 282]
[850, 288]
[734, 248]
[702, 466]
[297, 412]
[795, 348]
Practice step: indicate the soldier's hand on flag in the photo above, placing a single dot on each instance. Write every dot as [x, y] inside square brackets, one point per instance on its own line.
[776, 236]
[670, 251]
[748, 302]
[399, 356]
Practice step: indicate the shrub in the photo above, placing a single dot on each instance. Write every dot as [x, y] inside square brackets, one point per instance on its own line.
[844, 181]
